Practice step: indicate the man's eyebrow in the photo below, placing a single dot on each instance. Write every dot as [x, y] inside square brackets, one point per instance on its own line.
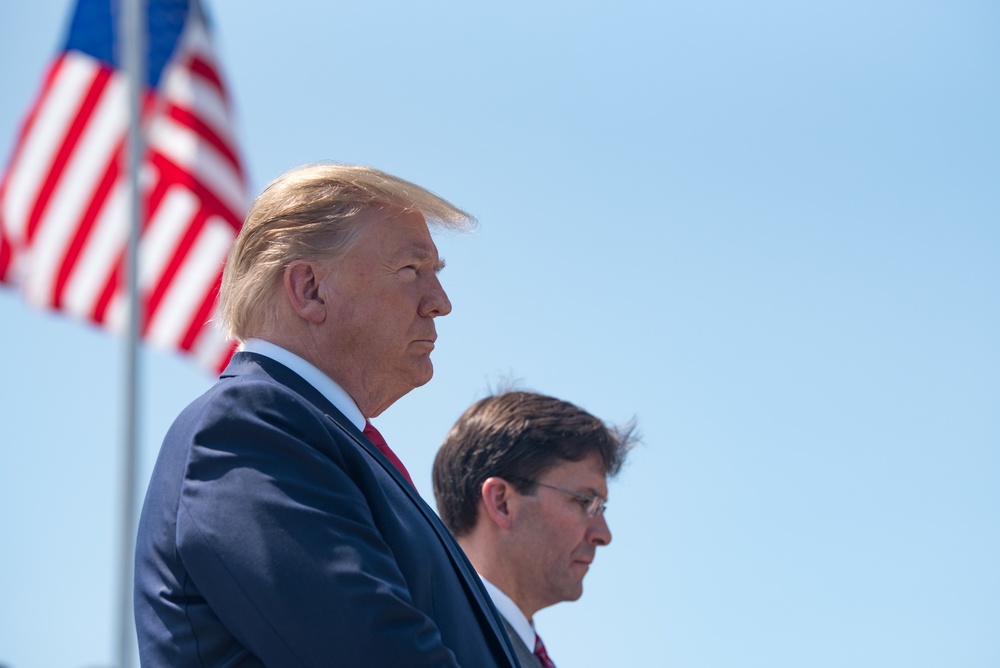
[420, 254]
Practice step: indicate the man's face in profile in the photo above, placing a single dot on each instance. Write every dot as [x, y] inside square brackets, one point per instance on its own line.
[383, 296]
[556, 538]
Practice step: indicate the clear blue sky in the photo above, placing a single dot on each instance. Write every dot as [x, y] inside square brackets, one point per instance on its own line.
[770, 231]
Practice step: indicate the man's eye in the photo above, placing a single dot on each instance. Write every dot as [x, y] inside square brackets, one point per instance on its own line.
[583, 503]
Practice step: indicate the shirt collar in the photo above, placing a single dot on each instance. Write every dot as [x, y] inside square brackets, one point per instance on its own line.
[325, 385]
[506, 607]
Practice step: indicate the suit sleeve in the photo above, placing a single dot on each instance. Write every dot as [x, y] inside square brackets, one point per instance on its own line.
[283, 545]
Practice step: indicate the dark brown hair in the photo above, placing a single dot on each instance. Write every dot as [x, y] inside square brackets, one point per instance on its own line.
[517, 436]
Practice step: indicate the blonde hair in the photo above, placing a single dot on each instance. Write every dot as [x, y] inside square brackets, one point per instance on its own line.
[311, 213]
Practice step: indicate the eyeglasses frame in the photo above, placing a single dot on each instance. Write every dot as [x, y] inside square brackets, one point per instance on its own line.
[597, 503]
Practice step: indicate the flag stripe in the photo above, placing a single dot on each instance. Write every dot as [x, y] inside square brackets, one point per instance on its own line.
[108, 308]
[94, 145]
[88, 102]
[163, 243]
[180, 174]
[182, 147]
[206, 70]
[212, 349]
[203, 131]
[84, 233]
[194, 279]
[99, 255]
[202, 315]
[191, 89]
[71, 77]
[6, 255]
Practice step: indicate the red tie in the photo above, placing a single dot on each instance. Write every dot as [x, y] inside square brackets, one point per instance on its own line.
[372, 433]
[543, 656]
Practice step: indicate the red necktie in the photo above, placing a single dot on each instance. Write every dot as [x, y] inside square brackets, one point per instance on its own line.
[543, 656]
[372, 433]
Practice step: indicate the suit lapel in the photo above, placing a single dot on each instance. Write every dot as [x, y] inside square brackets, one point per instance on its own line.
[470, 579]
[244, 363]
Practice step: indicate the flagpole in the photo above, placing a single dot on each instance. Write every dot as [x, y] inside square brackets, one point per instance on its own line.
[132, 42]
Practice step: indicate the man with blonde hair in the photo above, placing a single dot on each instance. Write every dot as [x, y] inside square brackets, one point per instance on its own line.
[278, 528]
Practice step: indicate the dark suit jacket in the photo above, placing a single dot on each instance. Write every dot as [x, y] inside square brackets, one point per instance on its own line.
[274, 533]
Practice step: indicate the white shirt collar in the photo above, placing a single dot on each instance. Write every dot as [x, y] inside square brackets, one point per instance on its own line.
[506, 607]
[325, 385]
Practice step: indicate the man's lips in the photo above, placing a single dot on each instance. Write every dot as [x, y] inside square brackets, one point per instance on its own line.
[429, 342]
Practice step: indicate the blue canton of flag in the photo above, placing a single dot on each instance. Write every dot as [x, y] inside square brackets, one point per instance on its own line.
[63, 200]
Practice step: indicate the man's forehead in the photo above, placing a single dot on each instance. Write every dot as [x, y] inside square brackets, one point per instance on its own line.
[400, 234]
[586, 471]
[391, 216]
[418, 251]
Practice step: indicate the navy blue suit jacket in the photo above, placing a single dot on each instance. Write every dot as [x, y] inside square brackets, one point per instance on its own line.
[274, 533]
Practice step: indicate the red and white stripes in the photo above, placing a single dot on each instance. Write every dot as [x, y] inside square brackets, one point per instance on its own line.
[63, 215]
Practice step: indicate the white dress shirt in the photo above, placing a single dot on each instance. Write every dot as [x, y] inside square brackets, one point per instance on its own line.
[319, 380]
[506, 607]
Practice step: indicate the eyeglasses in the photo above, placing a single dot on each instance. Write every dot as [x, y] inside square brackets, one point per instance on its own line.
[592, 506]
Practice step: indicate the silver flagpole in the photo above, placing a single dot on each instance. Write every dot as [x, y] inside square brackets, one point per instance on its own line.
[132, 44]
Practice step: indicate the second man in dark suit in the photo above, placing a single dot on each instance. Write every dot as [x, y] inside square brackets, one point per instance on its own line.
[521, 480]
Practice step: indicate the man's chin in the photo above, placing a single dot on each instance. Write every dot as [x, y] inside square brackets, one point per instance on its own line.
[423, 373]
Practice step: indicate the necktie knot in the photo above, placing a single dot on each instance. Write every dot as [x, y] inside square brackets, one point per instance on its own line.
[376, 438]
[543, 656]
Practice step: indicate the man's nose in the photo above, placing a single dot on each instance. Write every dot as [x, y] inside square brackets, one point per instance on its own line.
[435, 302]
[598, 532]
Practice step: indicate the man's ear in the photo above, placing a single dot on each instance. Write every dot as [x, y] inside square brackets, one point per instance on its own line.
[302, 290]
[496, 495]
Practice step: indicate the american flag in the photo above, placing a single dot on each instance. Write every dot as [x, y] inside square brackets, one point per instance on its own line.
[63, 199]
